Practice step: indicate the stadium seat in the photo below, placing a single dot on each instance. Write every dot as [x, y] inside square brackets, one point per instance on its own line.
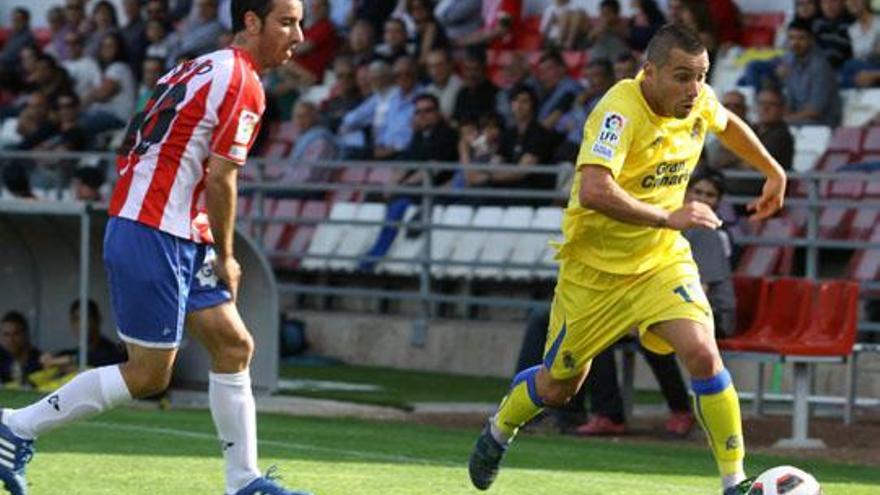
[443, 241]
[781, 314]
[812, 137]
[354, 175]
[470, 244]
[759, 28]
[357, 238]
[763, 260]
[750, 292]
[804, 160]
[499, 246]
[831, 325]
[865, 264]
[276, 233]
[860, 107]
[328, 236]
[848, 139]
[530, 247]
[834, 221]
[872, 140]
[407, 247]
[301, 237]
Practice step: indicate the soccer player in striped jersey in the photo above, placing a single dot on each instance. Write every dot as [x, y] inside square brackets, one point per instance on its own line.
[168, 248]
[624, 263]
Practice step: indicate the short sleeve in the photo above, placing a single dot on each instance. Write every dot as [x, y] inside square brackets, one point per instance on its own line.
[714, 111]
[608, 133]
[238, 121]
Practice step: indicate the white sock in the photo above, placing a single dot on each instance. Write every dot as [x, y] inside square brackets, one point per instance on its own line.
[235, 416]
[732, 479]
[88, 394]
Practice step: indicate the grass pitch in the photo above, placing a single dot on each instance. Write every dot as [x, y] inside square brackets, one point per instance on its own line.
[135, 451]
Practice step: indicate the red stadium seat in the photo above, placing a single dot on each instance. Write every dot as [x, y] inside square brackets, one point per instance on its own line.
[832, 324]
[865, 264]
[847, 139]
[575, 61]
[762, 261]
[872, 139]
[781, 314]
[353, 176]
[299, 239]
[759, 29]
[835, 221]
[750, 291]
[276, 232]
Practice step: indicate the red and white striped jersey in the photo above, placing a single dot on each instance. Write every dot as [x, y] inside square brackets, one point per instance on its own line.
[210, 105]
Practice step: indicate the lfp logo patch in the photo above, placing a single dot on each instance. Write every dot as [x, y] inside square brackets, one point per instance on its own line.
[609, 135]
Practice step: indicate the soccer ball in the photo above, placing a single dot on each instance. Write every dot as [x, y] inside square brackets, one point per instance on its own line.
[785, 480]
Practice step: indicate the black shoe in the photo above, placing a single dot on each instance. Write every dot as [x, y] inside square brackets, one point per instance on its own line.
[485, 459]
[742, 488]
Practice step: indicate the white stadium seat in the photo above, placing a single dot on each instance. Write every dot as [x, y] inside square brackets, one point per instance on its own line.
[328, 236]
[358, 238]
[405, 247]
[499, 246]
[443, 241]
[531, 248]
[470, 244]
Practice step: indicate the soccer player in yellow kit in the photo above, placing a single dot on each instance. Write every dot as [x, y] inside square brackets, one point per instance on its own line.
[624, 263]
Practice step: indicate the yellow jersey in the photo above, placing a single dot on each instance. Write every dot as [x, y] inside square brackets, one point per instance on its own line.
[651, 158]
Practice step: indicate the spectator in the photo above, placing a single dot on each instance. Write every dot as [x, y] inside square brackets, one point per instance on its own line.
[647, 19]
[387, 113]
[712, 249]
[863, 70]
[157, 10]
[727, 22]
[312, 142]
[320, 41]
[104, 21]
[109, 106]
[516, 73]
[20, 37]
[376, 12]
[152, 69]
[599, 76]
[625, 67]
[810, 82]
[70, 135]
[48, 77]
[340, 14]
[361, 44]
[344, 94]
[18, 358]
[557, 90]
[16, 181]
[394, 42]
[694, 14]
[805, 10]
[134, 32]
[832, 32]
[34, 124]
[75, 15]
[85, 184]
[58, 29]
[459, 18]
[501, 26]
[84, 70]
[160, 41]
[771, 127]
[363, 80]
[101, 350]
[429, 35]
[607, 38]
[480, 142]
[477, 94]
[433, 141]
[559, 24]
[445, 84]
[524, 146]
[719, 157]
[200, 34]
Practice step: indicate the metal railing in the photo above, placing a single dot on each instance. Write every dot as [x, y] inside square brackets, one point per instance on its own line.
[265, 181]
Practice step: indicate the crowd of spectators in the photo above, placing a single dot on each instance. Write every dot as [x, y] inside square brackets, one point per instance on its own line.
[354, 86]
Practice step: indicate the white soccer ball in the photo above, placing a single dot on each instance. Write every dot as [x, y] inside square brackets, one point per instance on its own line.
[785, 480]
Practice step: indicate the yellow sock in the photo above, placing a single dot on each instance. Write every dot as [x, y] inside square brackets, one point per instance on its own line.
[716, 406]
[520, 405]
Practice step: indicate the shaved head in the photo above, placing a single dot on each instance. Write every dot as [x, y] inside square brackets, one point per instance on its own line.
[670, 37]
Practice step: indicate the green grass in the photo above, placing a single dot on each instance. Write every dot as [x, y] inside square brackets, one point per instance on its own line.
[403, 388]
[175, 452]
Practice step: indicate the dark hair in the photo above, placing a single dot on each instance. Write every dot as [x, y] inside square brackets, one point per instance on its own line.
[625, 57]
[16, 179]
[491, 118]
[552, 55]
[23, 11]
[714, 177]
[239, 8]
[428, 97]
[669, 37]
[17, 318]
[604, 64]
[611, 4]
[772, 88]
[66, 94]
[90, 176]
[91, 305]
[652, 12]
[120, 48]
[114, 18]
[524, 89]
[155, 59]
[801, 25]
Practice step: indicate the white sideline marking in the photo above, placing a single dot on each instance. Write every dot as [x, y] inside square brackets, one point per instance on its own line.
[538, 473]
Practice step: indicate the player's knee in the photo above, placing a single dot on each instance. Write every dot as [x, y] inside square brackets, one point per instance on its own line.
[237, 352]
[557, 394]
[144, 381]
[702, 362]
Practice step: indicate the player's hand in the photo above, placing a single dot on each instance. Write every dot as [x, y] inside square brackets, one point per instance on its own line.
[772, 197]
[229, 271]
[693, 214]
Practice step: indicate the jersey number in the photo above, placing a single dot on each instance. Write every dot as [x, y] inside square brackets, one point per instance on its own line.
[681, 290]
[147, 129]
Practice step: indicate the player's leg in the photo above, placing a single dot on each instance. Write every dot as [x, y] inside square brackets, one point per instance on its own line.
[668, 375]
[215, 322]
[716, 403]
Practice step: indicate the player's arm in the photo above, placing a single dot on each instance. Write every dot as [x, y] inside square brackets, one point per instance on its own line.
[221, 194]
[738, 137]
[600, 192]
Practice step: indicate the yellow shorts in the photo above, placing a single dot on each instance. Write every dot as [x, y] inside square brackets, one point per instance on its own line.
[593, 309]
